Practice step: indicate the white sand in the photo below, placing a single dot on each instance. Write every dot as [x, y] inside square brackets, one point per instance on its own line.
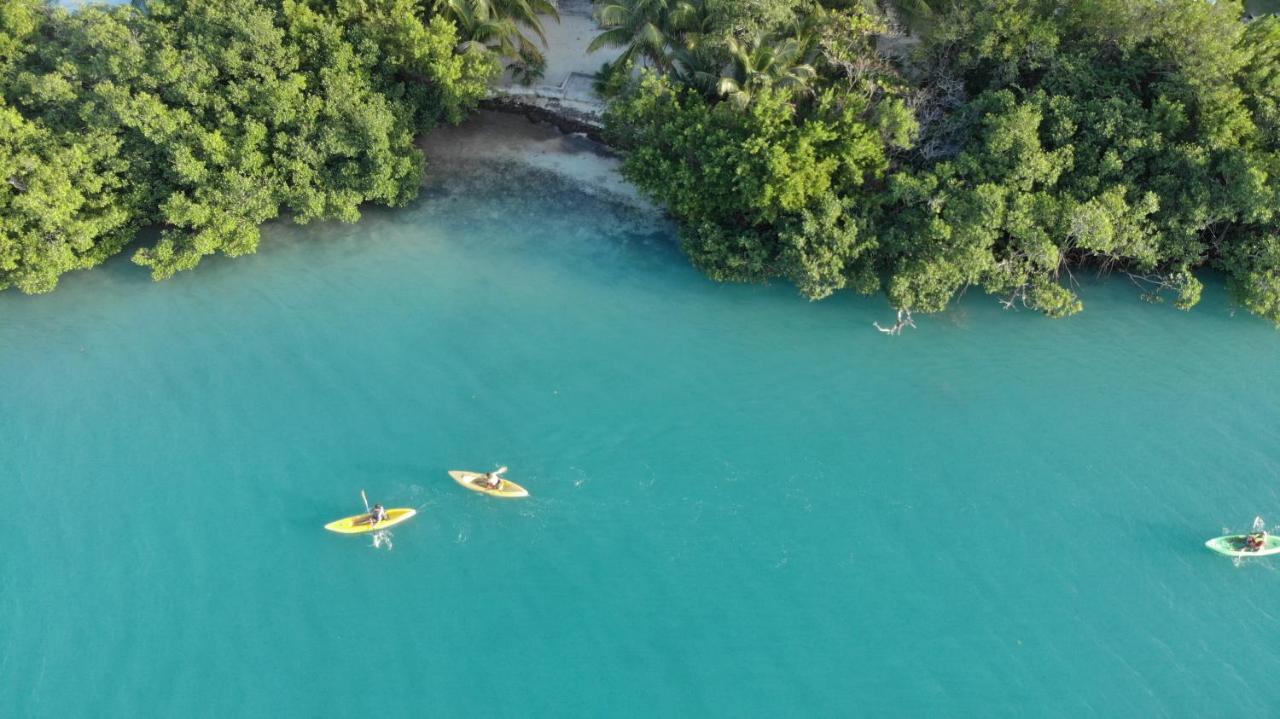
[570, 68]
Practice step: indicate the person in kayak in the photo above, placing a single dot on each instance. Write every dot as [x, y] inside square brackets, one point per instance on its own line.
[377, 514]
[1255, 541]
[492, 480]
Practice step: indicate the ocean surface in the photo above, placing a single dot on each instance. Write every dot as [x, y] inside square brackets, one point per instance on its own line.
[743, 504]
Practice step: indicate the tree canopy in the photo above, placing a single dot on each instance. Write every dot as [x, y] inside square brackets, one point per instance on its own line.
[1021, 139]
[773, 161]
[206, 119]
[1004, 144]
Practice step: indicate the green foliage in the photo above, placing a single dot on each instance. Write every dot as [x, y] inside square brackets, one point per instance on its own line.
[762, 191]
[1260, 74]
[612, 79]
[744, 18]
[1133, 135]
[414, 62]
[207, 119]
[18, 21]
[1251, 254]
[918, 16]
[58, 209]
[1112, 132]
[784, 179]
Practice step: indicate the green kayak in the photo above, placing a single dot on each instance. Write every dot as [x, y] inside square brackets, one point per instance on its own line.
[1233, 545]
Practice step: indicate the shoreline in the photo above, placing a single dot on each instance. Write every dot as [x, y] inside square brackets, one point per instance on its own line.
[536, 140]
[566, 120]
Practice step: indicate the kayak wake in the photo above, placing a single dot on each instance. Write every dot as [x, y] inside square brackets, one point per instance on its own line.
[382, 539]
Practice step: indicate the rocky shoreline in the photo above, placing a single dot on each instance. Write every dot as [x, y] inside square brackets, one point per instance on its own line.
[569, 120]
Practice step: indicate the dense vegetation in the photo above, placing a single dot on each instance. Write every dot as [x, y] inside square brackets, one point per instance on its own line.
[205, 119]
[915, 147]
[1009, 142]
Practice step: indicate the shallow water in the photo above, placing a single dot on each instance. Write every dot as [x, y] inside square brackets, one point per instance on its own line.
[743, 504]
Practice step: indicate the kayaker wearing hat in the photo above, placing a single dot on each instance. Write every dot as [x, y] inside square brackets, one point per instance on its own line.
[1255, 541]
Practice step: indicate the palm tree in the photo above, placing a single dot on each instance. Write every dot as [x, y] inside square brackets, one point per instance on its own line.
[763, 61]
[645, 29]
[527, 13]
[697, 56]
[697, 67]
[499, 26]
[478, 28]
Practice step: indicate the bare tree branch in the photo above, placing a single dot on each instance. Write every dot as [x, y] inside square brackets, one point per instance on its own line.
[904, 320]
[1019, 296]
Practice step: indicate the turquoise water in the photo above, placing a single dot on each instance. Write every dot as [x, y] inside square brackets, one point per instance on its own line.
[743, 504]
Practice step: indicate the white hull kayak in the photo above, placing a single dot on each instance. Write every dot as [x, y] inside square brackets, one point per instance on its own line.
[1232, 545]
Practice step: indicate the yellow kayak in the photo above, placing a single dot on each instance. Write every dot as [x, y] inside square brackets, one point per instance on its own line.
[359, 523]
[506, 489]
